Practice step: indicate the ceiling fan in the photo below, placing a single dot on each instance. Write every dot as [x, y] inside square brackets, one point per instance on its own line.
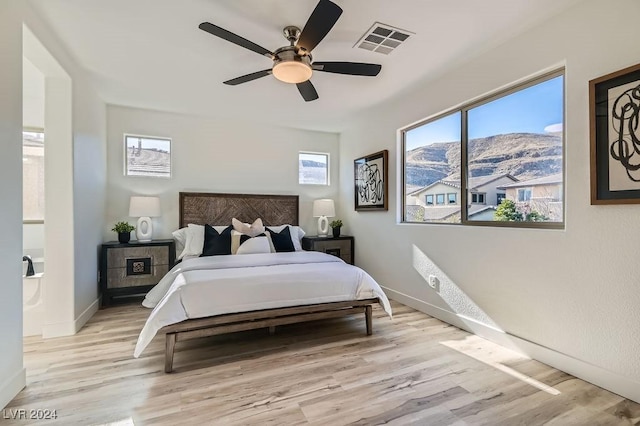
[294, 63]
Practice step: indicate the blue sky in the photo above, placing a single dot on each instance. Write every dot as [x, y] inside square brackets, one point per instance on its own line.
[528, 111]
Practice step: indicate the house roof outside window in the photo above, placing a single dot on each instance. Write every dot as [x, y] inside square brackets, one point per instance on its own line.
[547, 180]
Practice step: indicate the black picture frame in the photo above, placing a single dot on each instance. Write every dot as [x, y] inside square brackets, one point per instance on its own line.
[371, 182]
[614, 125]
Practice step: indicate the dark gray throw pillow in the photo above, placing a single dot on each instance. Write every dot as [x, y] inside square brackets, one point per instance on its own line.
[215, 243]
[282, 240]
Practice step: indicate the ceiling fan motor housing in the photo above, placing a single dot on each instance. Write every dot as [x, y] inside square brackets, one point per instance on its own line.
[291, 67]
[291, 33]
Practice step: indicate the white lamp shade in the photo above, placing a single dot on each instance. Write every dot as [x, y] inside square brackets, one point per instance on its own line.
[144, 207]
[321, 209]
[324, 207]
[292, 72]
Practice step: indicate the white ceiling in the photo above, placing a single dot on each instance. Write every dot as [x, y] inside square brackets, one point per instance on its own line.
[151, 54]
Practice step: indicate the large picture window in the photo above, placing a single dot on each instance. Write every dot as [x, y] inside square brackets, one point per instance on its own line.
[501, 157]
[147, 156]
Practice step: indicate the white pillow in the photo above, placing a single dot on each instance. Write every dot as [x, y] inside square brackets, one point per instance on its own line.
[180, 236]
[256, 228]
[255, 245]
[296, 234]
[194, 239]
[235, 241]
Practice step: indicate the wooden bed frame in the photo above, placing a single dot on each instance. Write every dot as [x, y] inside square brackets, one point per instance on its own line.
[215, 209]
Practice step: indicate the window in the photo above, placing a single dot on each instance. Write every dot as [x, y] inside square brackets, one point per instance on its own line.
[524, 194]
[453, 197]
[495, 150]
[313, 168]
[477, 198]
[435, 141]
[439, 199]
[428, 199]
[147, 156]
[32, 176]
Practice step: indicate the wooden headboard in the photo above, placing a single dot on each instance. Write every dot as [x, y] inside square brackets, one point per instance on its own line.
[218, 209]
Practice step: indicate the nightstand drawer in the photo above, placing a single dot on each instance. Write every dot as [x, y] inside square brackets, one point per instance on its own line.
[341, 246]
[128, 277]
[158, 255]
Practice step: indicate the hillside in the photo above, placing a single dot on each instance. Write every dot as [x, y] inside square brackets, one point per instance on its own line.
[523, 155]
[150, 162]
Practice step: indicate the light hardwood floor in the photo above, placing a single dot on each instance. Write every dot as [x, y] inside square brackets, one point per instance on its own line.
[413, 370]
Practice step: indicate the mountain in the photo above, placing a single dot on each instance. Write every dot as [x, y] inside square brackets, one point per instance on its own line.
[523, 155]
[311, 163]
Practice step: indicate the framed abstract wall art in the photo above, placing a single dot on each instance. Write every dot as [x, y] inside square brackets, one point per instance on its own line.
[370, 178]
[614, 118]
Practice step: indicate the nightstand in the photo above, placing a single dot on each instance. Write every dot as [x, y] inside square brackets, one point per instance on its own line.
[132, 269]
[341, 246]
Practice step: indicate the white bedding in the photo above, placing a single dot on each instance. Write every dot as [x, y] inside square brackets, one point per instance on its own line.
[217, 285]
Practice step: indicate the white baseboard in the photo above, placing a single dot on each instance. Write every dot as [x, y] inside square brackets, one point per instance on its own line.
[69, 328]
[12, 387]
[610, 380]
[87, 314]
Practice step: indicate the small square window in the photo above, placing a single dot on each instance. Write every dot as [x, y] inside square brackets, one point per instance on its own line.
[440, 199]
[452, 198]
[524, 194]
[313, 168]
[147, 156]
[428, 199]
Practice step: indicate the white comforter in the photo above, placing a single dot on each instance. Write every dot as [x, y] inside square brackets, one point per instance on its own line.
[216, 285]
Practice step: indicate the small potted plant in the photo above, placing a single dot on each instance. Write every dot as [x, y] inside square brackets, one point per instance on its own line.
[124, 231]
[335, 226]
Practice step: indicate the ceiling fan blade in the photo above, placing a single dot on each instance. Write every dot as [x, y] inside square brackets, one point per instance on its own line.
[307, 91]
[322, 19]
[248, 77]
[350, 68]
[234, 38]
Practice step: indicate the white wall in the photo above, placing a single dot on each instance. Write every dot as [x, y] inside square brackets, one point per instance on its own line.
[12, 373]
[212, 155]
[32, 96]
[75, 189]
[33, 239]
[89, 194]
[567, 297]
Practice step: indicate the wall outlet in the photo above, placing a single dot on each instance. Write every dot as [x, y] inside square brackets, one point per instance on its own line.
[434, 283]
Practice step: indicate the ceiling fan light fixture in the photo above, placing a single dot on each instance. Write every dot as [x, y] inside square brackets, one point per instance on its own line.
[292, 71]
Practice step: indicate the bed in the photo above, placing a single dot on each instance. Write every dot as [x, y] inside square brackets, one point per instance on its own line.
[206, 296]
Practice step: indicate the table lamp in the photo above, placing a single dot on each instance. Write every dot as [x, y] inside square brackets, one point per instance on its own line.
[322, 209]
[145, 208]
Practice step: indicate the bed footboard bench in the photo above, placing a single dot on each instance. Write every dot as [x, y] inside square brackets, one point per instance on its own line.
[267, 318]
